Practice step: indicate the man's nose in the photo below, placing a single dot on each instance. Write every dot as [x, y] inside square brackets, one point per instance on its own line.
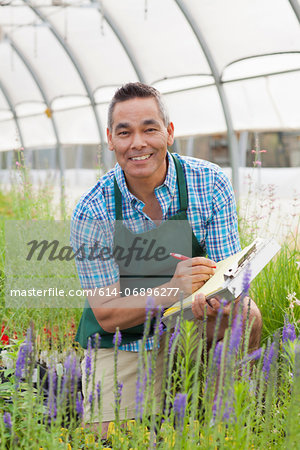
[138, 141]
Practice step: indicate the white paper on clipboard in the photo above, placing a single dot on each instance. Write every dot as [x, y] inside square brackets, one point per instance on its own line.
[227, 283]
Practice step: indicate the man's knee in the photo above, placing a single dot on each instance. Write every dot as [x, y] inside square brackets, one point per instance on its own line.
[252, 312]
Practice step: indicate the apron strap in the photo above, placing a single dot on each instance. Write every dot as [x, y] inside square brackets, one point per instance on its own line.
[183, 196]
[118, 201]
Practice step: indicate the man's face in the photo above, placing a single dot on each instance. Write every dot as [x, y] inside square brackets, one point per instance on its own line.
[139, 139]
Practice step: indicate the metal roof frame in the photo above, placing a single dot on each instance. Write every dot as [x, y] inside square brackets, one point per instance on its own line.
[76, 65]
[122, 40]
[296, 8]
[217, 75]
[232, 140]
[48, 105]
[13, 110]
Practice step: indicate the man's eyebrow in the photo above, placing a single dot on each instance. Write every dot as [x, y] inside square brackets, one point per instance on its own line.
[150, 122]
[122, 125]
[144, 122]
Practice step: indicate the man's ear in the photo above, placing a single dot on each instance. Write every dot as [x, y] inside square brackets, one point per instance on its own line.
[109, 139]
[170, 130]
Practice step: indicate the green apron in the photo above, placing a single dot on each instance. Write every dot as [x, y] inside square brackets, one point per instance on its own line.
[148, 272]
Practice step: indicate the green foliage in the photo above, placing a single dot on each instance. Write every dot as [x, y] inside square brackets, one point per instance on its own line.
[229, 405]
[272, 288]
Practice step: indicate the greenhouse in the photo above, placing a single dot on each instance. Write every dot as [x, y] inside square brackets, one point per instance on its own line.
[229, 74]
[225, 68]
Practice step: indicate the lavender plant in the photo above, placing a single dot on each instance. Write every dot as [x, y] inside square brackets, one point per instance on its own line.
[232, 399]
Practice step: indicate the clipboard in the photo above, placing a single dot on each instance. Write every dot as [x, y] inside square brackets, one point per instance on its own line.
[227, 282]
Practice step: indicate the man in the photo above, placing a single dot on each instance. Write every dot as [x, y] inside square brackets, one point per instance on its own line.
[149, 199]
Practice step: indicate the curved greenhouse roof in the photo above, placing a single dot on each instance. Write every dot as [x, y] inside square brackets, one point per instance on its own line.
[222, 65]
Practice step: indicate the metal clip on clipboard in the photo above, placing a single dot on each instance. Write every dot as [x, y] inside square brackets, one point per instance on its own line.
[242, 263]
[252, 262]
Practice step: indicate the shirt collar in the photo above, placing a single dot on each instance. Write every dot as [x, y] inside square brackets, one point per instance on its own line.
[171, 177]
[169, 182]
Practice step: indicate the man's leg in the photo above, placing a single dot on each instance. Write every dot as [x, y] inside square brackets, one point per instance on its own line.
[104, 374]
[249, 308]
[127, 370]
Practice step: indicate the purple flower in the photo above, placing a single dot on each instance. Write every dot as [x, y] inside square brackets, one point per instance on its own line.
[288, 332]
[67, 364]
[160, 327]
[7, 419]
[236, 334]
[214, 408]
[179, 408]
[246, 281]
[24, 356]
[139, 398]
[150, 372]
[75, 372]
[91, 399]
[268, 359]
[174, 335]
[119, 393]
[228, 413]
[150, 305]
[79, 404]
[228, 410]
[254, 356]
[223, 302]
[51, 396]
[72, 373]
[28, 340]
[21, 361]
[88, 359]
[98, 390]
[218, 354]
[118, 336]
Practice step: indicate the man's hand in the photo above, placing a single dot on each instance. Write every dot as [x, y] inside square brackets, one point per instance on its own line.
[190, 275]
[199, 303]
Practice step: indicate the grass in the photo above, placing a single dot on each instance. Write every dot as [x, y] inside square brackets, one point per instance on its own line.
[253, 405]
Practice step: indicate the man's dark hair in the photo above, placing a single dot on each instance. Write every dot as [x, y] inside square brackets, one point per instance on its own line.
[137, 90]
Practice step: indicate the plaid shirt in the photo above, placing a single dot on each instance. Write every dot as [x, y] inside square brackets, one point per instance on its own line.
[211, 213]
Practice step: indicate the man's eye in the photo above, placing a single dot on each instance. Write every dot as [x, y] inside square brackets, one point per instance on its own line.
[150, 129]
[123, 133]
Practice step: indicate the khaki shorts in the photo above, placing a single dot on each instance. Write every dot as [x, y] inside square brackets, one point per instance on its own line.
[127, 374]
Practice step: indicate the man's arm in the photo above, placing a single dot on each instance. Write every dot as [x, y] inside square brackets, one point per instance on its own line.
[124, 312]
[222, 237]
[112, 311]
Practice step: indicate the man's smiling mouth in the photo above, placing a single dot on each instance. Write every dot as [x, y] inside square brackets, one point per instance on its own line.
[141, 158]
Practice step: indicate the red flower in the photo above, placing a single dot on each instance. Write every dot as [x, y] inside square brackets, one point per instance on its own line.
[3, 337]
[47, 332]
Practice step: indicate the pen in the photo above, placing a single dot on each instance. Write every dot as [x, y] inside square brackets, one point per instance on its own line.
[184, 258]
[179, 256]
